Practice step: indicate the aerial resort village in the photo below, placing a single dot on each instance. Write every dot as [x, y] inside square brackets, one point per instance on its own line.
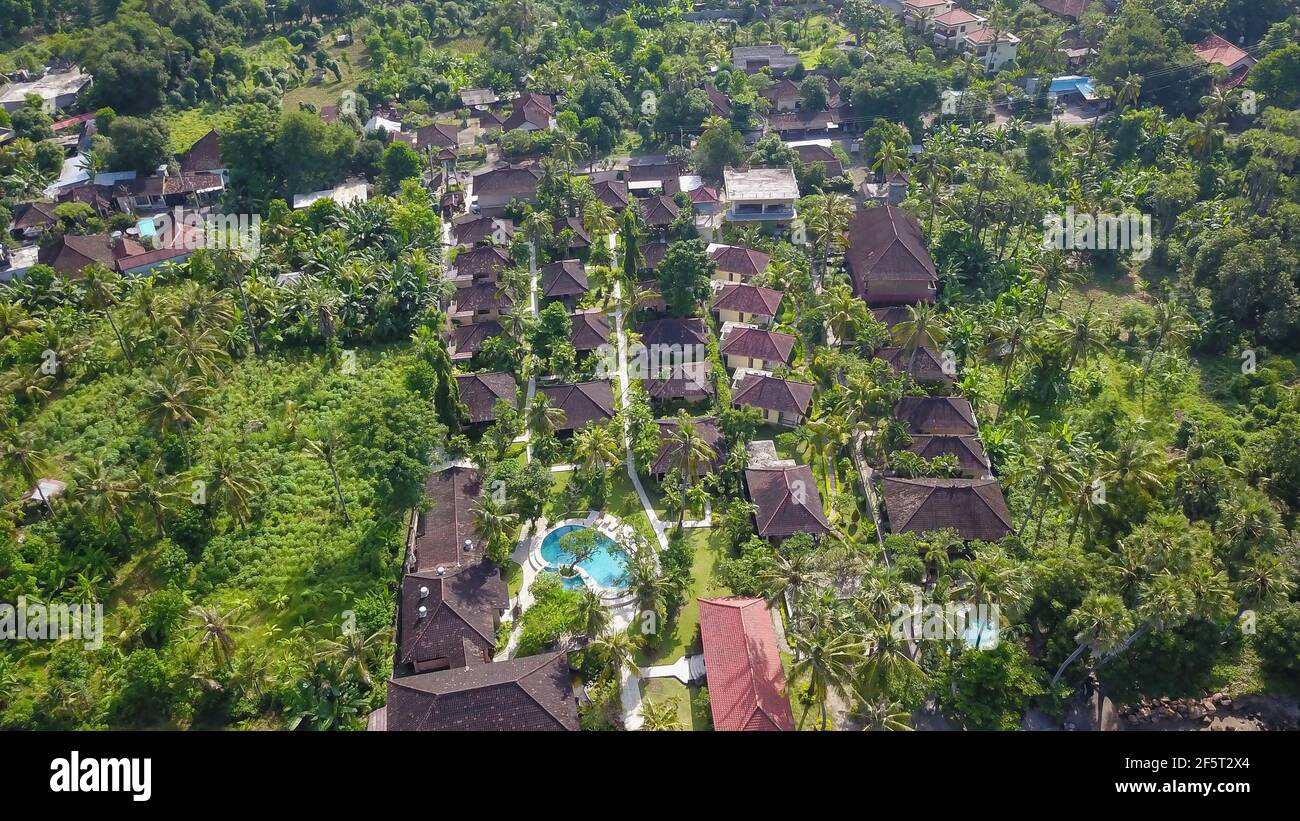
[520, 365]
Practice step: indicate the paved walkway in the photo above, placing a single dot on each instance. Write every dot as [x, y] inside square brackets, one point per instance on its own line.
[686, 669]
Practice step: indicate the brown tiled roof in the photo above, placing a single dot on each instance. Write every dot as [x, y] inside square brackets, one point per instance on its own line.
[968, 450]
[563, 278]
[204, 155]
[611, 192]
[703, 195]
[1215, 49]
[478, 297]
[70, 253]
[742, 661]
[718, 102]
[529, 693]
[537, 109]
[441, 531]
[769, 393]
[438, 134]
[809, 154]
[1065, 8]
[581, 239]
[168, 186]
[733, 259]
[674, 331]
[472, 229]
[590, 330]
[974, 508]
[485, 260]
[886, 243]
[749, 299]
[657, 304]
[646, 169]
[787, 499]
[708, 430]
[582, 403]
[460, 614]
[509, 180]
[936, 414]
[467, 340]
[922, 364]
[891, 315]
[659, 211]
[757, 343]
[653, 253]
[35, 215]
[803, 120]
[684, 380]
[781, 88]
[480, 392]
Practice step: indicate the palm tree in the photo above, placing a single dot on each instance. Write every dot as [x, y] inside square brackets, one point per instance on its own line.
[1266, 581]
[788, 577]
[596, 448]
[543, 417]
[884, 715]
[199, 307]
[1054, 271]
[1171, 326]
[689, 451]
[1100, 621]
[1048, 460]
[173, 405]
[828, 217]
[18, 453]
[497, 525]
[1205, 138]
[923, 328]
[154, 493]
[889, 160]
[991, 578]
[103, 289]
[888, 664]
[843, 311]
[659, 716]
[617, 651]
[1130, 89]
[235, 486]
[1006, 336]
[103, 496]
[828, 660]
[1083, 337]
[353, 651]
[326, 447]
[592, 613]
[16, 322]
[214, 631]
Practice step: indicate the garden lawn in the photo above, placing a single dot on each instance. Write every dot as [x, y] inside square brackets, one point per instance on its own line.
[661, 689]
[709, 546]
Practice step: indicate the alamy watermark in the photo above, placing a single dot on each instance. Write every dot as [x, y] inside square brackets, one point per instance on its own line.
[40, 621]
[655, 361]
[191, 230]
[975, 625]
[1073, 231]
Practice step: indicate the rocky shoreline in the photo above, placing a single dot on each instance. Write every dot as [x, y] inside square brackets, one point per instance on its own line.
[1217, 712]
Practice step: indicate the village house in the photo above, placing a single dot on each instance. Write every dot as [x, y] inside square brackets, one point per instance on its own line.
[467, 340]
[733, 263]
[480, 392]
[786, 500]
[531, 112]
[781, 402]
[922, 364]
[582, 403]
[752, 59]
[742, 660]
[57, 90]
[974, 508]
[1234, 62]
[748, 346]
[494, 189]
[747, 304]
[591, 330]
[936, 414]
[760, 194]
[972, 460]
[565, 281]
[887, 258]
[666, 459]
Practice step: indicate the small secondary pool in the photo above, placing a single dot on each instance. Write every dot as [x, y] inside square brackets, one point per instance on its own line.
[605, 567]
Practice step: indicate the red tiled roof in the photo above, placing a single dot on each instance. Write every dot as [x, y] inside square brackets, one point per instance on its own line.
[1215, 49]
[887, 243]
[743, 666]
[204, 155]
[528, 693]
[955, 17]
[975, 508]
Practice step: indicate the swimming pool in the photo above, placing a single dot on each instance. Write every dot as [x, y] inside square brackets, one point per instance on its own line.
[605, 567]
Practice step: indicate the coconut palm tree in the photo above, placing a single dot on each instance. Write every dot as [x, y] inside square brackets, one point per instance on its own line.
[105, 497]
[617, 651]
[1100, 623]
[496, 524]
[828, 217]
[1172, 326]
[1053, 271]
[592, 613]
[689, 451]
[214, 630]
[828, 660]
[353, 652]
[890, 159]
[887, 665]
[1006, 336]
[844, 312]
[596, 448]
[18, 453]
[923, 328]
[103, 292]
[173, 404]
[884, 716]
[1128, 91]
[235, 485]
[788, 577]
[543, 417]
[1082, 336]
[326, 446]
[1205, 138]
[659, 716]
[155, 493]
[16, 322]
[991, 578]
[1264, 582]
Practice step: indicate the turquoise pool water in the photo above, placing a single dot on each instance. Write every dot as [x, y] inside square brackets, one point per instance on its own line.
[605, 567]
